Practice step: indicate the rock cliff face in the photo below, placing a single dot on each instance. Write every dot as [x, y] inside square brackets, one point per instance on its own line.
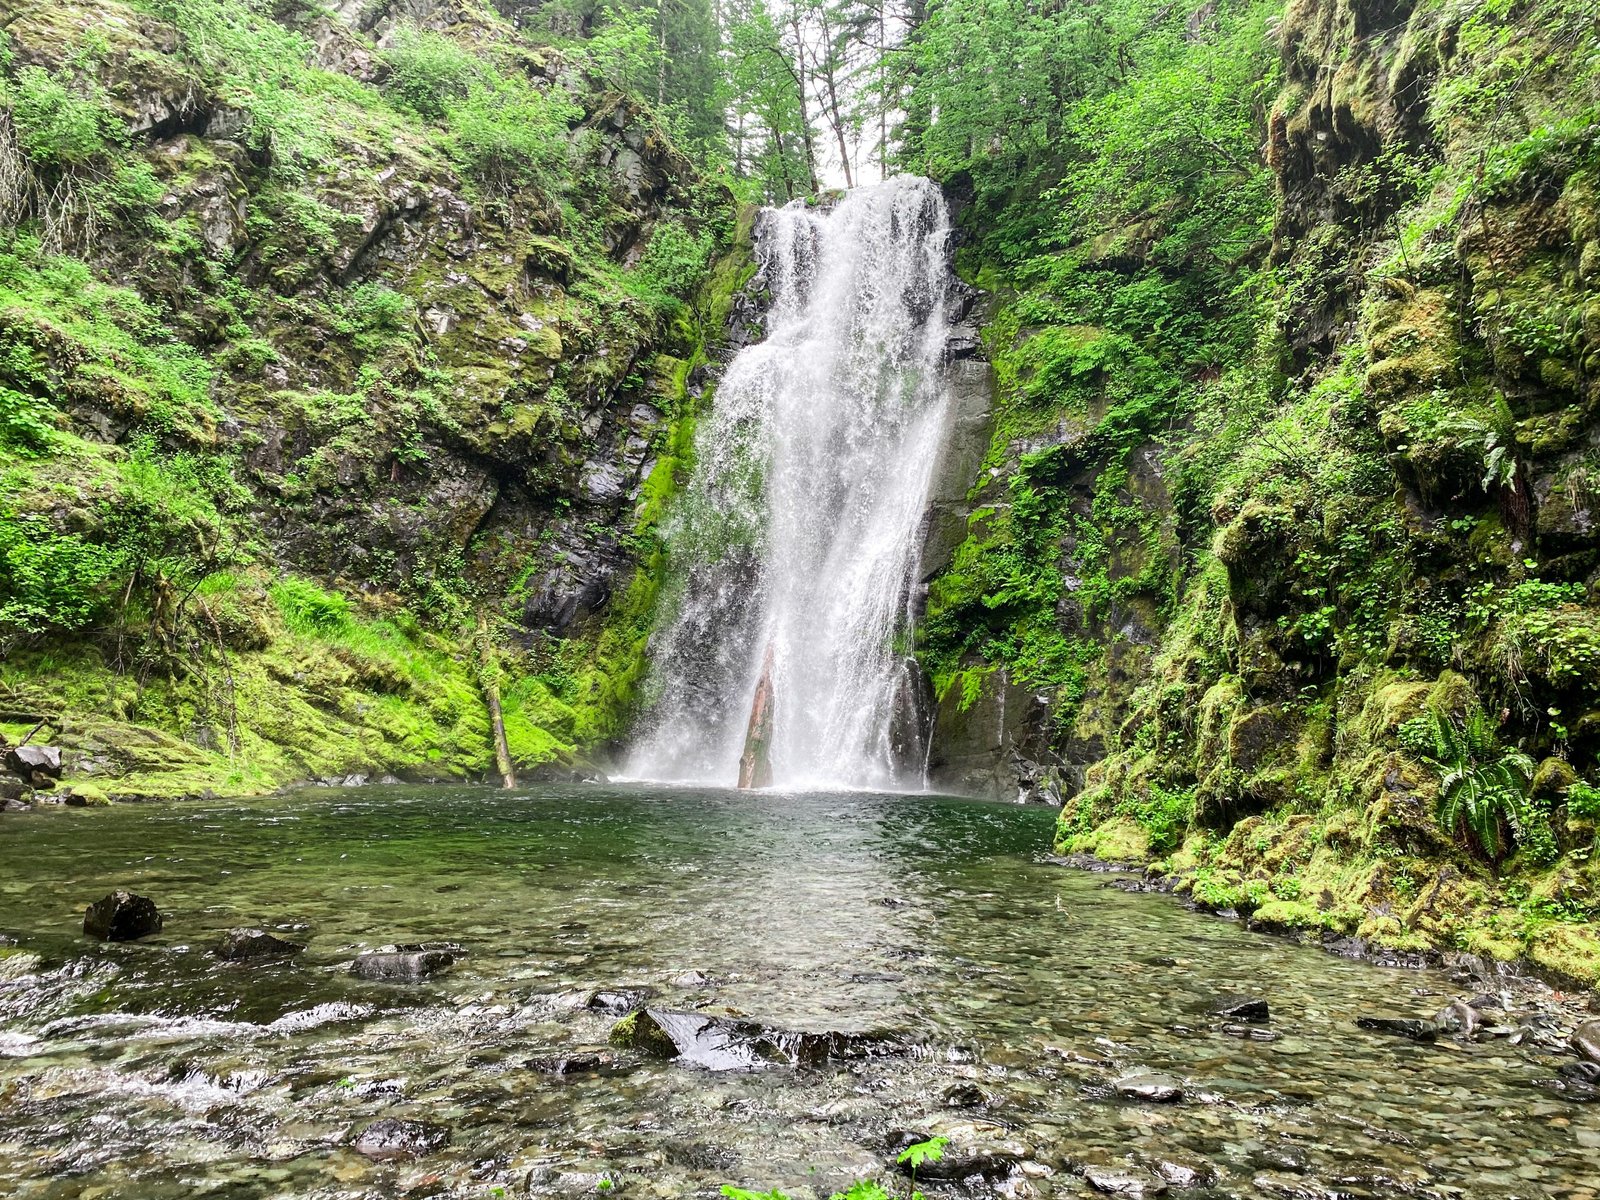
[333, 327]
[1387, 612]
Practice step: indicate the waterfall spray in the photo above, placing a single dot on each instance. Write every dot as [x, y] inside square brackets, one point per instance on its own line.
[796, 547]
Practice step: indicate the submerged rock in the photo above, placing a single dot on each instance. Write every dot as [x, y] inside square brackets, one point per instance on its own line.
[965, 1095]
[122, 917]
[240, 944]
[401, 966]
[727, 1044]
[578, 1062]
[391, 1139]
[1415, 1028]
[1253, 1033]
[1240, 1008]
[975, 1150]
[1115, 1182]
[694, 1039]
[1152, 1087]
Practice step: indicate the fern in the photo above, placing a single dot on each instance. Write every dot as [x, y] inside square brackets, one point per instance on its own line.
[1483, 787]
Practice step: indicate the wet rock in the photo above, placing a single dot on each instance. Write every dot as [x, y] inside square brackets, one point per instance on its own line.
[1587, 1073]
[728, 1044]
[1240, 1008]
[122, 917]
[690, 978]
[1415, 1028]
[1151, 1087]
[1586, 1040]
[1115, 1182]
[1291, 1187]
[391, 1139]
[965, 1095]
[29, 761]
[401, 966]
[18, 790]
[238, 945]
[85, 795]
[618, 1002]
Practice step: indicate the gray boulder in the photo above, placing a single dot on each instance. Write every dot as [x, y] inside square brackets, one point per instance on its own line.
[28, 761]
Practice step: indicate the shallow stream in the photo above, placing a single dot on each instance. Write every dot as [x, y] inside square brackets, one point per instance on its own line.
[1022, 990]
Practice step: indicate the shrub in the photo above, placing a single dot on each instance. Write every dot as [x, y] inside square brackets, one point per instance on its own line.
[509, 136]
[55, 126]
[428, 73]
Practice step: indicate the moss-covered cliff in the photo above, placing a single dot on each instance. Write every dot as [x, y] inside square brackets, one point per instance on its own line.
[323, 333]
[1282, 571]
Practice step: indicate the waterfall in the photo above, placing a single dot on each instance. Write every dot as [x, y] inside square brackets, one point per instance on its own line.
[795, 549]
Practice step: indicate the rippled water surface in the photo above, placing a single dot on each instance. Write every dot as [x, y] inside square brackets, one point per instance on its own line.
[151, 1070]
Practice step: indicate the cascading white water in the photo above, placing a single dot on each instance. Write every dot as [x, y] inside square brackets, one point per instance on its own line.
[799, 535]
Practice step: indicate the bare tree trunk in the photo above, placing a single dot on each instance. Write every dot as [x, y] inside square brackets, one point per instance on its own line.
[489, 678]
[755, 765]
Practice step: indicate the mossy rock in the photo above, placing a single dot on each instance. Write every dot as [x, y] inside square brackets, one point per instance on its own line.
[640, 1031]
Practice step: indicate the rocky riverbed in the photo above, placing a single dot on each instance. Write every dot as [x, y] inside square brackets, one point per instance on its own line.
[575, 990]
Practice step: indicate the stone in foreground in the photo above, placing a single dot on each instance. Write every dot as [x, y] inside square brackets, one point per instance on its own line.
[122, 917]
[237, 945]
[391, 1139]
[401, 966]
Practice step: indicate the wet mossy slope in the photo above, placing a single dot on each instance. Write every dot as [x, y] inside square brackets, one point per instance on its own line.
[329, 336]
[1283, 573]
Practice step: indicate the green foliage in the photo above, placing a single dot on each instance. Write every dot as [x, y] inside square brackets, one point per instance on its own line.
[919, 1153]
[50, 582]
[307, 607]
[1164, 814]
[1583, 800]
[508, 135]
[263, 68]
[672, 265]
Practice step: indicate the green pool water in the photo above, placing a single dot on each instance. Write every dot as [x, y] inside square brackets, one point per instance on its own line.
[1021, 989]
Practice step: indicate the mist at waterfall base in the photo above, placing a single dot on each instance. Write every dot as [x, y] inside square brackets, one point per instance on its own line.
[798, 539]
